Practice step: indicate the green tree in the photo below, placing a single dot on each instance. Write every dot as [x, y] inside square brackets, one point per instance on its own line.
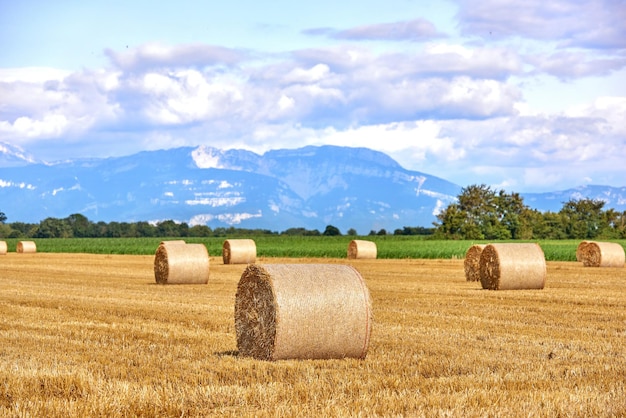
[331, 231]
[54, 228]
[80, 225]
[3, 218]
[583, 219]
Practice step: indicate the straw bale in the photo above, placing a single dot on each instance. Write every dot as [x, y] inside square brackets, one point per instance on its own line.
[302, 311]
[239, 251]
[579, 250]
[602, 254]
[362, 249]
[26, 247]
[471, 264]
[512, 266]
[176, 263]
[3, 247]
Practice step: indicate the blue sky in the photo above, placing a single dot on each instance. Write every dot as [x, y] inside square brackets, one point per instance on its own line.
[525, 96]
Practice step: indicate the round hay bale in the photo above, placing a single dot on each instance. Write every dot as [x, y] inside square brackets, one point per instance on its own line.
[302, 311]
[579, 250]
[362, 249]
[181, 264]
[239, 251]
[512, 266]
[26, 247]
[602, 254]
[471, 264]
[3, 247]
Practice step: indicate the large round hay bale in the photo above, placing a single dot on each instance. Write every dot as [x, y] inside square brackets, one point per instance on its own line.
[602, 254]
[3, 247]
[579, 250]
[512, 266]
[176, 263]
[358, 248]
[239, 251]
[302, 311]
[471, 264]
[26, 247]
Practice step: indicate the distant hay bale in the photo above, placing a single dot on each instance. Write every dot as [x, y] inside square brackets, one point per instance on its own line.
[471, 264]
[512, 266]
[239, 251]
[602, 254]
[26, 247]
[362, 249]
[302, 311]
[180, 263]
[3, 247]
[579, 250]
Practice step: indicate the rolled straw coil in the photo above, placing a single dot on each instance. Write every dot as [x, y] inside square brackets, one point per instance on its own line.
[471, 264]
[602, 254]
[26, 247]
[239, 251]
[358, 248]
[512, 266]
[3, 247]
[176, 263]
[302, 311]
[579, 250]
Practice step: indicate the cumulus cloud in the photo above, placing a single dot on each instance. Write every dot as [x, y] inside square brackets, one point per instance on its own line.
[410, 30]
[587, 23]
[157, 55]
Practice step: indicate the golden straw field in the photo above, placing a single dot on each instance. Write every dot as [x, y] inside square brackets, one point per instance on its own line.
[94, 335]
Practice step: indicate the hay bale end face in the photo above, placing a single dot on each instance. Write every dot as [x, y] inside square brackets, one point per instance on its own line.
[361, 249]
[512, 266]
[26, 247]
[302, 311]
[471, 264]
[602, 254]
[239, 251]
[580, 250]
[176, 263]
[3, 247]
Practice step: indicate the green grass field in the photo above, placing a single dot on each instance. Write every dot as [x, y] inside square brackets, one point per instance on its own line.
[390, 246]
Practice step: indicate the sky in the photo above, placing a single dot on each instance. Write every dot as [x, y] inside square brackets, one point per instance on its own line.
[525, 96]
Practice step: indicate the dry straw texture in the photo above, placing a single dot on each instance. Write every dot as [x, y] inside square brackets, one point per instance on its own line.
[512, 266]
[180, 263]
[302, 311]
[579, 250]
[239, 251]
[3, 247]
[362, 249]
[602, 254]
[26, 247]
[471, 264]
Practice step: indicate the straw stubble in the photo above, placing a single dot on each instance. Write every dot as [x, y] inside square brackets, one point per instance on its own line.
[302, 311]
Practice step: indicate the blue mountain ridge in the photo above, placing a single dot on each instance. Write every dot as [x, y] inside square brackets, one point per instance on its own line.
[308, 187]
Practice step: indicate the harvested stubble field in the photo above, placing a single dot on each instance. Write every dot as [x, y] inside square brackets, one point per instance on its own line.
[93, 335]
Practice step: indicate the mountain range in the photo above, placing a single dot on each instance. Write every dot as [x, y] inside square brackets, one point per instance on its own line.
[309, 187]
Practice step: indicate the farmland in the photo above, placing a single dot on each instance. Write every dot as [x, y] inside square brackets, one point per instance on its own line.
[93, 335]
[389, 247]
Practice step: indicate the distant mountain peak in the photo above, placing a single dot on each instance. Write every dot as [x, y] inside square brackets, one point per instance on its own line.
[14, 156]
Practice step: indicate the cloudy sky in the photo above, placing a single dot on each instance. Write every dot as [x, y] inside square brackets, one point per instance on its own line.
[520, 95]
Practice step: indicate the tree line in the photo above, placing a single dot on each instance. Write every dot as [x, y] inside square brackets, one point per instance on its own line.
[480, 212]
[79, 226]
